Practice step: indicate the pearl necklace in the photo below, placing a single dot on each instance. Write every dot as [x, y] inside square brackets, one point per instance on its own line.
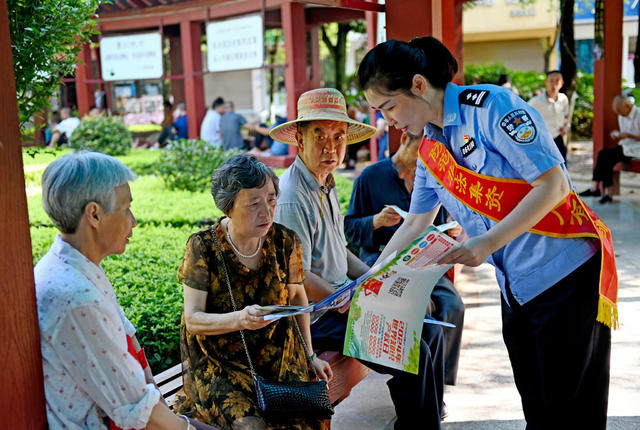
[236, 249]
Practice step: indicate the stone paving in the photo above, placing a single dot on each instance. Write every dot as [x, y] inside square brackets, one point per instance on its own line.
[485, 396]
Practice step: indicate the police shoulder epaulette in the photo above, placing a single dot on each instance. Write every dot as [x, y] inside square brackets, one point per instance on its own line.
[473, 97]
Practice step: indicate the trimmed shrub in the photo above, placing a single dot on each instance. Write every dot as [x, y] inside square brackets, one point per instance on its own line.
[188, 164]
[103, 134]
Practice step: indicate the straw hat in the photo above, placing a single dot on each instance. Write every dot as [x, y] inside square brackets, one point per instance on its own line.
[322, 104]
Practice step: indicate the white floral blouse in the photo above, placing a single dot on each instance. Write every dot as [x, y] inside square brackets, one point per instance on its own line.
[88, 371]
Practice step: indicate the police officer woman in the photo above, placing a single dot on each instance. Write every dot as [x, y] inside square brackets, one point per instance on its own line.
[489, 159]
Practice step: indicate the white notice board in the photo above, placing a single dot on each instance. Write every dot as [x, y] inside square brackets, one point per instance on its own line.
[235, 44]
[137, 56]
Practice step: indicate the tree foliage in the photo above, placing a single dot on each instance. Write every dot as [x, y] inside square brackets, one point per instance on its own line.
[334, 37]
[46, 36]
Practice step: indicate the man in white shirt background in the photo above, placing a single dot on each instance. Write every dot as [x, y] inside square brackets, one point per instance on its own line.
[628, 138]
[210, 128]
[554, 108]
[63, 130]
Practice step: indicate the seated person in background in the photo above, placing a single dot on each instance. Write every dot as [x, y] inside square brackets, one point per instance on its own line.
[167, 125]
[95, 373]
[62, 131]
[54, 119]
[231, 124]
[553, 106]
[628, 138]
[180, 125]
[264, 265]
[309, 205]
[210, 127]
[369, 225]
[279, 148]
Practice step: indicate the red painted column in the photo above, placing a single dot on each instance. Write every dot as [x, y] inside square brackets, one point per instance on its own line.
[405, 26]
[295, 75]
[315, 79]
[371, 19]
[190, 34]
[175, 58]
[84, 72]
[22, 393]
[607, 79]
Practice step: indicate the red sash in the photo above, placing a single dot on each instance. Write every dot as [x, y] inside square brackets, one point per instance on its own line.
[140, 358]
[495, 198]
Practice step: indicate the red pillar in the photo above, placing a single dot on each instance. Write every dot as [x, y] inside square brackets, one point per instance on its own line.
[175, 58]
[607, 79]
[405, 26]
[190, 35]
[84, 72]
[22, 394]
[315, 78]
[295, 75]
[371, 19]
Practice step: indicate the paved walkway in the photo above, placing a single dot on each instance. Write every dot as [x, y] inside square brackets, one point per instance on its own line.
[486, 397]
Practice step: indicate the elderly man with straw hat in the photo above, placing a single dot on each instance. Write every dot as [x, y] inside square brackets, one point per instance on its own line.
[309, 205]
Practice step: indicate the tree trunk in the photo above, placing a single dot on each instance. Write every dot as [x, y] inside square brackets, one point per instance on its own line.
[338, 52]
[568, 48]
[636, 56]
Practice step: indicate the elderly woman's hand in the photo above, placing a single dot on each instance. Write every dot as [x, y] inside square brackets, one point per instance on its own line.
[251, 318]
[323, 369]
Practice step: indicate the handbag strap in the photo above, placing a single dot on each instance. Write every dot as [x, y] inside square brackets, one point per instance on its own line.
[233, 301]
[235, 309]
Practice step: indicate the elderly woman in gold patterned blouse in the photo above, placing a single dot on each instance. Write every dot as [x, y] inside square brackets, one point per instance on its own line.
[264, 263]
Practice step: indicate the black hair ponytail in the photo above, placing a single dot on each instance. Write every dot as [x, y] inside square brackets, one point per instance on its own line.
[391, 65]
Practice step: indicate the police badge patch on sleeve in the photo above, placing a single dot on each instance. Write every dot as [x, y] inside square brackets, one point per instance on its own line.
[519, 126]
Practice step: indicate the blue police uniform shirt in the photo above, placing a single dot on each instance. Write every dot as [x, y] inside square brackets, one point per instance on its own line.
[490, 130]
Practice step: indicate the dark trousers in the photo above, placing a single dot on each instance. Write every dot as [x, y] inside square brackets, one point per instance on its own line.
[607, 158]
[417, 398]
[448, 306]
[560, 354]
[561, 147]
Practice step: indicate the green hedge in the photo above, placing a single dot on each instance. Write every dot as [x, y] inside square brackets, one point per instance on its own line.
[144, 277]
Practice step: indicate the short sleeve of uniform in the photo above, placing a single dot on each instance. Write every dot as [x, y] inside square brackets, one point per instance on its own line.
[193, 271]
[423, 197]
[519, 134]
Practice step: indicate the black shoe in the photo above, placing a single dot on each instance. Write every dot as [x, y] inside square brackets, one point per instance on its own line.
[605, 199]
[590, 193]
[445, 412]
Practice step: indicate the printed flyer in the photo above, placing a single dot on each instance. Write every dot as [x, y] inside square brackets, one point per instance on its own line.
[388, 309]
[332, 301]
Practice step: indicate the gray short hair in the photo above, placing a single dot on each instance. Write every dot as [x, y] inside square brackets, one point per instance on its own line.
[74, 180]
[239, 172]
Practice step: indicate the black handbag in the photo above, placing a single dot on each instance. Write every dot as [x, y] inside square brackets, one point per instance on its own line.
[285, 399]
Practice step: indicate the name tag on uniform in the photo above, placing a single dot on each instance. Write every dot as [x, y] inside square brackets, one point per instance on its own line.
[469, 145]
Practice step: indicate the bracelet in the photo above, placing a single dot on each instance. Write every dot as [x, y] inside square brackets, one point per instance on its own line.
[311, 357]
[188, 422]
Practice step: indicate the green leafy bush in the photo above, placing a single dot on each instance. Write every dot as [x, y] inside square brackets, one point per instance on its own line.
[104, 134]
[582, 120]
[187, 164]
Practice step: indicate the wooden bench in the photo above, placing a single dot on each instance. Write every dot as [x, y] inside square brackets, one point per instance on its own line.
[631, 166]
[347, 372]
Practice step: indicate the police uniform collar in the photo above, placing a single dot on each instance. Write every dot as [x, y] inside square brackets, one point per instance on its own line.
[451, 109]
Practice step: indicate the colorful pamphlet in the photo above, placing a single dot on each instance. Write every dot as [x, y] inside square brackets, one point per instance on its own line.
[335, 300]
[388, 308]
